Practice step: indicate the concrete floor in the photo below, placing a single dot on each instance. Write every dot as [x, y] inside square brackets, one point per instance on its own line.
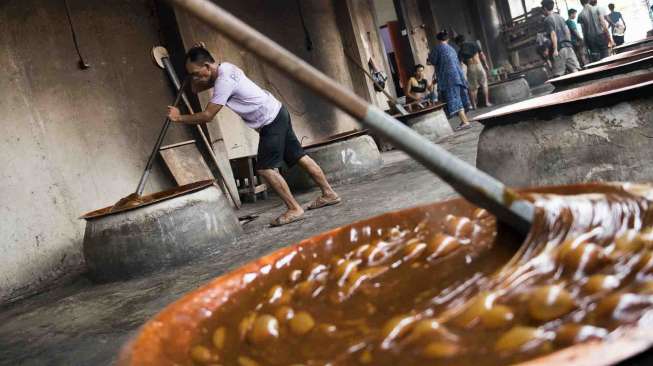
[85, 324]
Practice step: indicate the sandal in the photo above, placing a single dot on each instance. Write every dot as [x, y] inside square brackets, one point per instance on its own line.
[463, 126]
[323, 202]
[286, 219]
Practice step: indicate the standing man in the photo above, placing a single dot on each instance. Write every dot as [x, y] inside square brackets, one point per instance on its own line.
[617, 24]
[576, 38]
[262, 112]
[595, 28]
[563, 56]
[452, 87]
[472, 56]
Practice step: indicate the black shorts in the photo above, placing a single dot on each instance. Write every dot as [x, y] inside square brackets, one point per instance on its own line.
[278, 143]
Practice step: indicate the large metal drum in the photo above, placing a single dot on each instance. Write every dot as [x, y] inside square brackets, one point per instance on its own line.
[342, 159]
[167, 338]
[509, 91]
[171, 228]
[598, 132]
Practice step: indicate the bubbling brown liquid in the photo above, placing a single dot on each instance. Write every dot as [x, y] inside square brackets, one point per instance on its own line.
[453, 294]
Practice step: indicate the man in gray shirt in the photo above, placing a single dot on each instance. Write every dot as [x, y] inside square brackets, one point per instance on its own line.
[563, 55]
[595, 29]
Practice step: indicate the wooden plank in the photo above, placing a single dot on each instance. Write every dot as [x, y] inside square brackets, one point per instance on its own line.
[177, 144]
[186, 164]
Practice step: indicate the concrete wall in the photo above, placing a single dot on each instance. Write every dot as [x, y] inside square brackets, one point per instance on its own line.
[385, 11]
[72, 140]
[313, 119]
[359, 30]
[456, 14]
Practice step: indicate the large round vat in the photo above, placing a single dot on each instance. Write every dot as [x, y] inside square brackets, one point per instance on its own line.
[509, 91]
[597, 132]
[341, 160]
[167, 338]
[171, 228]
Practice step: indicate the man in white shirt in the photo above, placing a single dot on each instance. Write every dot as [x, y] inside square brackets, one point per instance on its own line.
[262, 112]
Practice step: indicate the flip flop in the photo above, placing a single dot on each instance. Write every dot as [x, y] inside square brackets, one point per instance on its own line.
[286, 219]
[462, 127]
[323, 202]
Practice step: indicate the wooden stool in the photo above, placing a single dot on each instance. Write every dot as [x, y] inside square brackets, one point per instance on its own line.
[246, 179]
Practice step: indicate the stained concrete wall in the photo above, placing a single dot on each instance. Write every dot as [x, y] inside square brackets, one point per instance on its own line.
[359, 29]
[72, 140]
[457, 15]
[314, 120]
[385, 11]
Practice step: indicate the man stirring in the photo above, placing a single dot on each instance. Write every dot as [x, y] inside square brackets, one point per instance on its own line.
[262, 112]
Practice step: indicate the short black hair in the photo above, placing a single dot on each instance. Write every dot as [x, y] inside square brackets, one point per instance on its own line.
[418, 66]
[572, 11]
[442, 36]
[199, 55]
[459, 38]
[611, 6]
[548, 4]
[584, 2]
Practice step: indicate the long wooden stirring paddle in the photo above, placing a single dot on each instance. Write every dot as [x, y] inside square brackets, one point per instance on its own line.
[473, 184]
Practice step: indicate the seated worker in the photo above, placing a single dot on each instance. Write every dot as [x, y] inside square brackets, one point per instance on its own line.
[419, 89]
[472, 56]
[262, 112]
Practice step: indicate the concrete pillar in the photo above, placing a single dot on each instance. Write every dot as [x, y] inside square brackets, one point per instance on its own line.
[417, 36]
[327, 52]
[359, 30]
[491, 24]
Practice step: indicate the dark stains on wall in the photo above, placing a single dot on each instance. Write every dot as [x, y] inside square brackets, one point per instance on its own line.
[74, 140]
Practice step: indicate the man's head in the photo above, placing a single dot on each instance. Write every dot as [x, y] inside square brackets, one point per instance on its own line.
[419, 71]
[460, 39]
[593, 2]
[443, 36]
[572, 14]
[611, 7]
[198, 64]
[548, 6]
[584, 2]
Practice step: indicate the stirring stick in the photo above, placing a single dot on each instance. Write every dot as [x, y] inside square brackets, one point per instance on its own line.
[473, 184]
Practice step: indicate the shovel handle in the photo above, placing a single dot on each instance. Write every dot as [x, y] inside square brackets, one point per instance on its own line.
[157, 145]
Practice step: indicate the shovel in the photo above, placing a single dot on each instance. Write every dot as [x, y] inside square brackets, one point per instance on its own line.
[392, 100]
[135, 199]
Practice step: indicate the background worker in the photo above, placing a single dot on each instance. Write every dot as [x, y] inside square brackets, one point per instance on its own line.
[419, 89]
[563, 57]
[576, 38]
[452, 86]
[617, 25]
[262, 112]
[595, 29]
[476, 69]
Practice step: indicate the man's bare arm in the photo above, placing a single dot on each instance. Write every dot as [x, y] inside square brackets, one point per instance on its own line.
[606, 30]
[481, 55]
[197, 86]
[554, 40]
[205, 116]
